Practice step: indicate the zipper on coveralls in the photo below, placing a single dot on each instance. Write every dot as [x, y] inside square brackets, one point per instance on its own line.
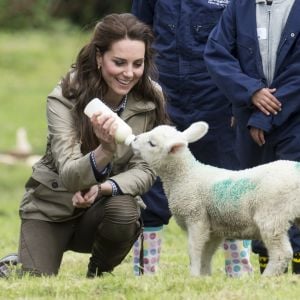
[268, 75]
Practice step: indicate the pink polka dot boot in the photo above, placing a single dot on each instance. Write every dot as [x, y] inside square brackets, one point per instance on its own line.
[237, 258]
[146, 251]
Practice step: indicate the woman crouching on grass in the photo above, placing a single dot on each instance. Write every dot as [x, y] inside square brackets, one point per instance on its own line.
[80, 196]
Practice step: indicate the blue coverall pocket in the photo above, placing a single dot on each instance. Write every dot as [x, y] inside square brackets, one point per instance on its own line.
[203, 24]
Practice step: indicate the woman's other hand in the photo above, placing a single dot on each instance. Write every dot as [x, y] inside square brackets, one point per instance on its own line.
[84, 199]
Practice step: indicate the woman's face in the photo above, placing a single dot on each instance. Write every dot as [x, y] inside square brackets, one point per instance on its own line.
[122, 66]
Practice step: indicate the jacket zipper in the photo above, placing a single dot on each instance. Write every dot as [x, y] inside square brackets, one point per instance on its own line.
[268, 47]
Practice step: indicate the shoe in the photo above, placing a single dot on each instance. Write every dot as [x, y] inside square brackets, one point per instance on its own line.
[6, 262]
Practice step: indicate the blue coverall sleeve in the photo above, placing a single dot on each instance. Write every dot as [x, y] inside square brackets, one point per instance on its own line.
[144, 10]
[287, 83]
[223, 65]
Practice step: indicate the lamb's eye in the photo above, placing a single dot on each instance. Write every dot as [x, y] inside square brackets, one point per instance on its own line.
[151, 144]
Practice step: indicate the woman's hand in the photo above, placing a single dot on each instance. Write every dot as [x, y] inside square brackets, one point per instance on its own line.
[264, 100]
[105, 128]
[85, 199]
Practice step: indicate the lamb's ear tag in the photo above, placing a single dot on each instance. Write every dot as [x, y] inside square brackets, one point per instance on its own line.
[176, 147]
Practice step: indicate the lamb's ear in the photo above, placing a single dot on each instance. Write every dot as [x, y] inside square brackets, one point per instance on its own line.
[195, 131]
[176, 147]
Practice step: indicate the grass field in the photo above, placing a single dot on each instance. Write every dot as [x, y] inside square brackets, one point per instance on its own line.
[31, 63]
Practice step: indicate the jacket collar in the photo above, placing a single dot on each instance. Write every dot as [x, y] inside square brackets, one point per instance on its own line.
[135, 105]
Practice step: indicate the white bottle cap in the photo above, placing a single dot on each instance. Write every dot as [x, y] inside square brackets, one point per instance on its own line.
[94, 106]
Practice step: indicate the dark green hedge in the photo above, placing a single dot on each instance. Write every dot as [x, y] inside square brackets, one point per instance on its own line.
[23, 14]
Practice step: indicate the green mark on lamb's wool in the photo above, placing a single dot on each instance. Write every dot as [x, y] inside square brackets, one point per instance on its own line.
[297, 165]
[230, 191]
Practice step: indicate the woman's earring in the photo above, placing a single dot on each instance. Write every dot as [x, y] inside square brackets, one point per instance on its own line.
[100, 73]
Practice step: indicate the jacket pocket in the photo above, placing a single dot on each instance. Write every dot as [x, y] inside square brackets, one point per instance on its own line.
[203, 24]
[165, 20]
[49, 195]
[246, 54]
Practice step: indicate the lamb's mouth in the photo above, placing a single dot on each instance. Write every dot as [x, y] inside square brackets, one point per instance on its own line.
[134, 149]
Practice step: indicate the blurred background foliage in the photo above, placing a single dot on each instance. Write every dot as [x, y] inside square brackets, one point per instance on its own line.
[48, 14]
[39, 40]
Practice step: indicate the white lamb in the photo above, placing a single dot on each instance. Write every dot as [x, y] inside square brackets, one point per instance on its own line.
[213, 203]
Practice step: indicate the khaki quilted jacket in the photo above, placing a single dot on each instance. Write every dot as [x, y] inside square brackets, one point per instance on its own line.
[64, 170]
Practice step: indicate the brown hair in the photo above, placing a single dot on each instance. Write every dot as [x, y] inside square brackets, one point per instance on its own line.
[84, 83]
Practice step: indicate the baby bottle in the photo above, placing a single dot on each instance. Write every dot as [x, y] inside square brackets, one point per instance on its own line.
[123, 132]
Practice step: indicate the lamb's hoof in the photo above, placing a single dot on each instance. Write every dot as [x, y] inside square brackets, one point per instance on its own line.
[200, 274]
[267, 273]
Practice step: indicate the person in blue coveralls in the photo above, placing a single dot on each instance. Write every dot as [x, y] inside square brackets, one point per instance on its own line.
[181, 29]
[253, 55]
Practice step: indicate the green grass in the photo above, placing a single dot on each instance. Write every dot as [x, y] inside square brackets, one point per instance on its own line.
[31, 63]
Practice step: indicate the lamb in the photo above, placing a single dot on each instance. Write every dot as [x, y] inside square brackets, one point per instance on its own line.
[212, 203]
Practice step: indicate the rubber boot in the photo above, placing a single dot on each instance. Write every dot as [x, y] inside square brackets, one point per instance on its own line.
[296, 263]
[263, 261]
[237, 258]
[146, 251]
[108, 253]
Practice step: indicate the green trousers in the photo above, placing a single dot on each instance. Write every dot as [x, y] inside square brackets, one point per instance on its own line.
[111, 225]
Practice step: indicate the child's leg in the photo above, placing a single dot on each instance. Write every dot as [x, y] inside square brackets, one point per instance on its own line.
[294, 234]
[237, 257]
[146, 251]
[263, 258]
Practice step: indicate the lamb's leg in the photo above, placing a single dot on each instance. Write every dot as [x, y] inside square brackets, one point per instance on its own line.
[280, 253]
[208, 251]
[198, 236]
